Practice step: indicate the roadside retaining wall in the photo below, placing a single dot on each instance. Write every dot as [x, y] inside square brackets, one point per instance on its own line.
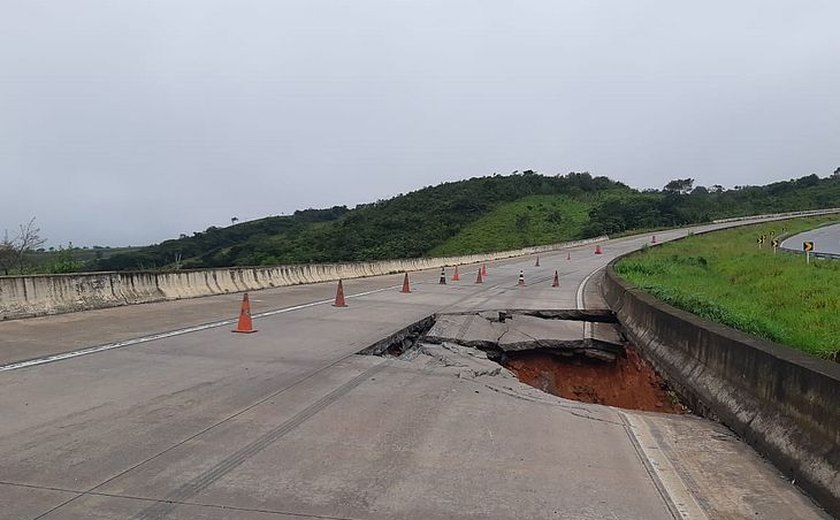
[27, 296]
[782, 402]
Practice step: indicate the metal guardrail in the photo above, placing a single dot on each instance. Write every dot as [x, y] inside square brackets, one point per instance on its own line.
[814, 254]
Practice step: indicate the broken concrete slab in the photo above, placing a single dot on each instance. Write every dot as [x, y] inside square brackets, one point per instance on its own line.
[604, 315]
[504, 332]
[463, 362]
[605, 333]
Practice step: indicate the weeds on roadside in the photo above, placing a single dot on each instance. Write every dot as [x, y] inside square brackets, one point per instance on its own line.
[724, 277]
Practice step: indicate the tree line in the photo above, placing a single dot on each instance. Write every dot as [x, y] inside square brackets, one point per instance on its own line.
[414, 224]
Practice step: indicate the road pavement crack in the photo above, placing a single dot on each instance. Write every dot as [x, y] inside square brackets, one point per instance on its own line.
[564, 408]
[502, 335]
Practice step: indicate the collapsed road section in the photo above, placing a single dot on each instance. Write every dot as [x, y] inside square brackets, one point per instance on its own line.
[574, 354]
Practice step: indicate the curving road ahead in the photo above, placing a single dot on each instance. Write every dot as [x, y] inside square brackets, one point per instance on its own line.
[826, 240]
[290, 423]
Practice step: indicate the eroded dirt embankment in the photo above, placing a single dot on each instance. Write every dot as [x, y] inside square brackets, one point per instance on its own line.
[629, 382]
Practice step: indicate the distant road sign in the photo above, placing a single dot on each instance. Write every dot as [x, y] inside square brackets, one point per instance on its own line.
[807, 246]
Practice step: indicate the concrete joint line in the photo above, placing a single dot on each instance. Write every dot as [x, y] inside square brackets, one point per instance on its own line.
[155, 500]
[679, 500]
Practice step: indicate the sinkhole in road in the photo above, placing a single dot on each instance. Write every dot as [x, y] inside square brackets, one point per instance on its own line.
[573, 354]
[627, 382]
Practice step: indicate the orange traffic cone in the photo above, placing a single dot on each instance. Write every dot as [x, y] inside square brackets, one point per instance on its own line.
[245, 325]
[339, 296]
[406, 288]
[442, 276]
[484, 270]
[556, 282]
[456, 275]
[598, 250]
[521, 282]
[478, 278]
[538, 262]
[653, 239]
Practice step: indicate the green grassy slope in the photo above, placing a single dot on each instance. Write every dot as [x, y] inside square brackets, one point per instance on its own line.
[404, 226]
[724, 277]
[539, 219]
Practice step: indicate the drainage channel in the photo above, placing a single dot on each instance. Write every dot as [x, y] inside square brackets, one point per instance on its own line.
[573, 354]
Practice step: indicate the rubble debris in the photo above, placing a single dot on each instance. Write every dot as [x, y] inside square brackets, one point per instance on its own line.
[576, 355]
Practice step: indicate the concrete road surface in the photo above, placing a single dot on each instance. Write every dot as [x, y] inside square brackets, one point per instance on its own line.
[290, 423]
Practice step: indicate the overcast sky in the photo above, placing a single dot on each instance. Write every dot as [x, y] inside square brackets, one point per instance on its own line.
[132, 121]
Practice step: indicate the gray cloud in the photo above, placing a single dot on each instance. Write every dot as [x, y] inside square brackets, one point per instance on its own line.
[130, 122]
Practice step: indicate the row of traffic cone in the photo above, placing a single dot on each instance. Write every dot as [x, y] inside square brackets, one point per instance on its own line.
[456, 275]
[554, 283]
[598, 251]
[340, 300]
[245, 323]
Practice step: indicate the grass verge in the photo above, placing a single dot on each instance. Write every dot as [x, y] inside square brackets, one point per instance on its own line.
[726, 278]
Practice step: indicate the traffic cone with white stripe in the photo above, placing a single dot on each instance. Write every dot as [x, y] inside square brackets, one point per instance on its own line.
[521, 282]
[442, 276]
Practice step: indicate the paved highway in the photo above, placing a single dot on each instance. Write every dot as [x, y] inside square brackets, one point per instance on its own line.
[826, 240]
[289, 423]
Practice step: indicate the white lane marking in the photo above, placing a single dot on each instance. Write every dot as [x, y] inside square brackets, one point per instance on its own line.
[680, 500]
[582, 286]
[587, 326]
[169, 334]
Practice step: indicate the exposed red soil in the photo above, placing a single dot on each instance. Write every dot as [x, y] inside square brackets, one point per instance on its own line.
[629, 383]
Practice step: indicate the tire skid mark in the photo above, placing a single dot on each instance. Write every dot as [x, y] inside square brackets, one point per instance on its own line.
[234, 460]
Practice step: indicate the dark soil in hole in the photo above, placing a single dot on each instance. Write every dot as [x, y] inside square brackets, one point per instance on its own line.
[629, 383]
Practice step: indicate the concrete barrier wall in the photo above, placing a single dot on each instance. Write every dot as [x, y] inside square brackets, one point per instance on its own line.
[782, 402]
[26, 296]
[775, 216]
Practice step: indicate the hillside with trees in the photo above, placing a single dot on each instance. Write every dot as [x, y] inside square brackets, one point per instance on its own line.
[475, 215]
[408, 225]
